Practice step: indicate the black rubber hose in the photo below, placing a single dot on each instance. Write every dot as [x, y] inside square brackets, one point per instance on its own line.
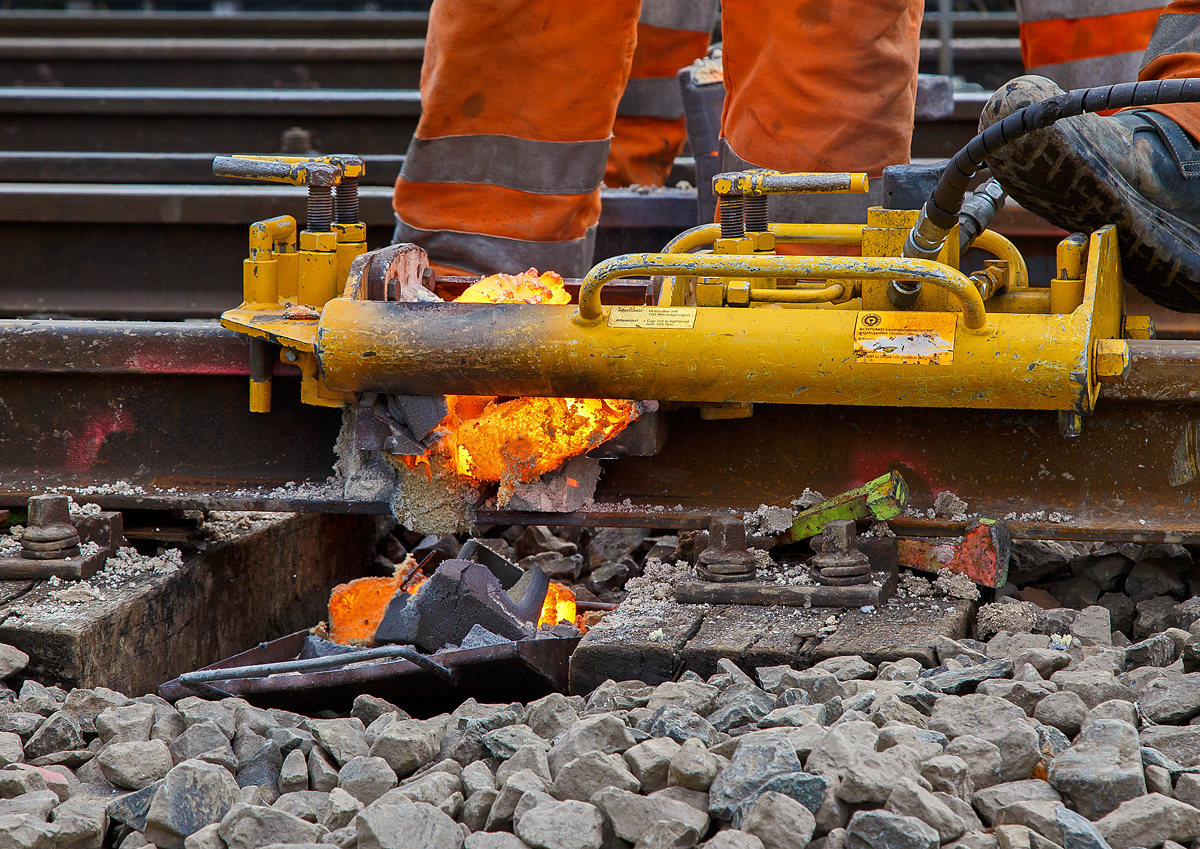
[944, 204]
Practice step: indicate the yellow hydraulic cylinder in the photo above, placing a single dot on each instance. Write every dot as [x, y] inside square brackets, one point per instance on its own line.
[318, 281]
[351, 243]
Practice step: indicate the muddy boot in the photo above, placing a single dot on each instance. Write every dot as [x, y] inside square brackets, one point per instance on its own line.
[1135, 169]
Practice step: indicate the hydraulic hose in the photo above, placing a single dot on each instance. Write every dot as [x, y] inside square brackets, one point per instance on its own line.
[941, 212]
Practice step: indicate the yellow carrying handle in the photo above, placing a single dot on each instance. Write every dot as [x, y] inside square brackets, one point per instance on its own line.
[771, 265]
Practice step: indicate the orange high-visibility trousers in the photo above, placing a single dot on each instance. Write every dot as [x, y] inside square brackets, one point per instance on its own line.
[1083, 43]
[519, 98]
[650, 130]
[1174, 52]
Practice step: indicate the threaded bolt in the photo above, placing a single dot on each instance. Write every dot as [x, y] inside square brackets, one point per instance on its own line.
[320, 208]
[732, 226]
[345, 201]
[756, 215]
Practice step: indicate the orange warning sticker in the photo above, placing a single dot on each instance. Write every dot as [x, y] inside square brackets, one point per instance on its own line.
[915, 338]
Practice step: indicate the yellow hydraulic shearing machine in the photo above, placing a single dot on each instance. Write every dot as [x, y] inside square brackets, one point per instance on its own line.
[738, 319]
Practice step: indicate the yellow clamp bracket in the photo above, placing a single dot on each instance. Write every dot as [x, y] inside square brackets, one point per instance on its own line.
[773, 265]
[760, 182]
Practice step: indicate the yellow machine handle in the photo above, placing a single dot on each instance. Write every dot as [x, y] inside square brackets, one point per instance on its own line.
[278, 169]
[772, 265]
[761, 181]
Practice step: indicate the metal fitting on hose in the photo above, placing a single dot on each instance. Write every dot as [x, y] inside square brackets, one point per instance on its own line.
[978, 211]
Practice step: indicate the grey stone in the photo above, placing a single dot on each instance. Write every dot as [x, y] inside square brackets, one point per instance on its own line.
[322, 775]
[1159, 650]
[1148, 821]
[947, 648]
[1023, 694]
[779, 821]
[496, 840]
[1158, 780]
[1092, 626]
[504, 742]
[18, 779]
[911, 800]
[632, 815]
[1150, 578]
[1153, 616]
[12, 660]
[680, 725]
[477, 807]
[846, 668]
[1113, 709]
[11, 751]
[1077, 832]
[25, 831]
[200, 737]
[948, 774]
[168, 723]
[309, 805]
[905, 669]
[530, 758]
[193, 795]
[975, 840]
[39, 803]
[1187, 789]
[1168, 701]
[738, 705]
[1091, 685]
[368, 708]
[733, 839]
[667, 834]
[650, 762]
[36, 698]
[366, 778]
[1045, 660]
[131, 809]
[194, 709]
[505, 804]
[261, 766]
[604, 733]
[290, 740]
[693, 767]
[476, 776]
[562, 825]
[1179, 744]
[58, 733]
[963, 808]
[406, 825]
[875, 775]
[989, 801]
[341, 738]
[795, 716]
[433, 787]
[130, 723]
[1039, 816]
[999, 722]
[695, 696]
[884, 830]
[961, 681]
[407, 745]
[293, 774]
[80, 823]
[134, 765]
[1121, 611]
[255, 826]
[1064, 711]
[929, 744]
[589, 773]
[753, 764]
[205, 838]
[1077, 592]
[551, 715]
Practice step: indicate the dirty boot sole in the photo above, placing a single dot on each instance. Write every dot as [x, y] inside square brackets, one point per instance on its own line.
[1059, 174]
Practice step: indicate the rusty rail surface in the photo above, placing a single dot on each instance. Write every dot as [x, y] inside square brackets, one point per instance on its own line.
[161, 408]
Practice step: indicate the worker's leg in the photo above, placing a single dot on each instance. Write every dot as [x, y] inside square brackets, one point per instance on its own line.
[819, 87]
[1138, 169]
[649, 131]
[518, 99]
[1083, 43]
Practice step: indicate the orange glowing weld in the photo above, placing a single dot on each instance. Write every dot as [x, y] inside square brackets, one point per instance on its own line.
[572, 482]
[519, 440]
[559, 605]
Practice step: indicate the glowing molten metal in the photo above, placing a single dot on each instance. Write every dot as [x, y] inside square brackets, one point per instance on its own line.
[519, 440]
[356, 608]
[558, 607]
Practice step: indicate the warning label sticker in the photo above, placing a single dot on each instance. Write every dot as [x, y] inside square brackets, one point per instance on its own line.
[918, 338]
[653, 318]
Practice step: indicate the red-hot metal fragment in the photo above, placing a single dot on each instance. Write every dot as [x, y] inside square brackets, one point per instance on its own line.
[981, 554]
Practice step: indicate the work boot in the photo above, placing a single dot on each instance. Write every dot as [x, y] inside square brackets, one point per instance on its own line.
[1136, 169]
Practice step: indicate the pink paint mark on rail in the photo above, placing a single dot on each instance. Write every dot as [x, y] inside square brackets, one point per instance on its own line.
[84, 448]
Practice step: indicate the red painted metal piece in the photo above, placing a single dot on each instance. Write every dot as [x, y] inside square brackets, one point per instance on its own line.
[981, 553]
